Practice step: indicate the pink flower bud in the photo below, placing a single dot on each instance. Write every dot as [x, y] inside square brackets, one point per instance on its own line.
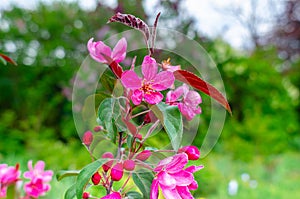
[139, 136]
[129, 165]
[192, 152]
[114, 195]
[144, 155]
[96, 178]
[98, 128]
[108, 164]
[117, 172]
[108, 155]
[85, 195]
[87, 138]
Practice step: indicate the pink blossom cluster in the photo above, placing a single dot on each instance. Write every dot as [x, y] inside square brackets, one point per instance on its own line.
[148, 87]
[38, 179]
[172, 175]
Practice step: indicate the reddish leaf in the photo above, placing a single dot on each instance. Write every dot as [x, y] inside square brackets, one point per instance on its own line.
[8, 59]
[114, 66]
[199, 84]
[131, 127]
[131, 21]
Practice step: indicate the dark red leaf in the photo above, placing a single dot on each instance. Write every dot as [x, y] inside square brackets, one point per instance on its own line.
[114, 66]
[131, 21]
[8, 59]
[199, 84]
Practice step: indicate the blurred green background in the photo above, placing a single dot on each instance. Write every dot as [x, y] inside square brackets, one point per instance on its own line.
[260, 143]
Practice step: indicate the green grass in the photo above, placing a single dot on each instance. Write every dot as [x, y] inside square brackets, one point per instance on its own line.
[276, 176]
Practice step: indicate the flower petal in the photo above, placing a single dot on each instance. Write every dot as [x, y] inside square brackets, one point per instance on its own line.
[186, 111]
[183, 178]
[184, 192]
[170, 193]
[149, 68]
[193, 185]
[193, 98]
[39, 166]
[178, 163]
[131, 80]
[193, 168]
[163, 80]
[154, 189]
[166, 180]
[153, 97]
[119, 51]
[137, 97]
[96, 50]
[114, 195]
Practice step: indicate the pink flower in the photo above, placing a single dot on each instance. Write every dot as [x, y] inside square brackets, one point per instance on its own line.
[36, 187]
[97, 49]
[148, 87]
[188, 105]
[114, 195]
[166, 65]
[38, 171]
[8, 176]
[174, 181]
[38, 179]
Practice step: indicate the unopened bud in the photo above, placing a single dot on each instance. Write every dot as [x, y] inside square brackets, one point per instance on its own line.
[192, 152]
[98, 128]
[85, 195]
[87, 138]
[117, 172]
[96, 178]
[144, 155]
[129, 165]
[109, 163]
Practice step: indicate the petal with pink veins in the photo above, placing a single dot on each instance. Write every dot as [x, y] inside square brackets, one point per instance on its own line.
[119, 51]
[166, 180]
[193, 185]
[193, 168]
[178, 163]
[154, 189]
[170, 193]
[137, 97]
[193, 98]
[153, 97]
[184, 192]
[163, 80]
[149, 68]
[100, 49]
[183, 178]
[131, 80]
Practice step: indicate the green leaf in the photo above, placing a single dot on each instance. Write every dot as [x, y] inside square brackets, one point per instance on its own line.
[143, 180]
[63, 174]
[171, 119]
[3, 60]
[134, 195]
[109, 113]
[86, 174]
[71, 192]
[88, 110]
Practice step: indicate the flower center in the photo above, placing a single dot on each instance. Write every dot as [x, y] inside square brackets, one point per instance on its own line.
[147, 87]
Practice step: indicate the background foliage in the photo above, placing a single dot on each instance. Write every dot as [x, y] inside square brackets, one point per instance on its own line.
[48, 43]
